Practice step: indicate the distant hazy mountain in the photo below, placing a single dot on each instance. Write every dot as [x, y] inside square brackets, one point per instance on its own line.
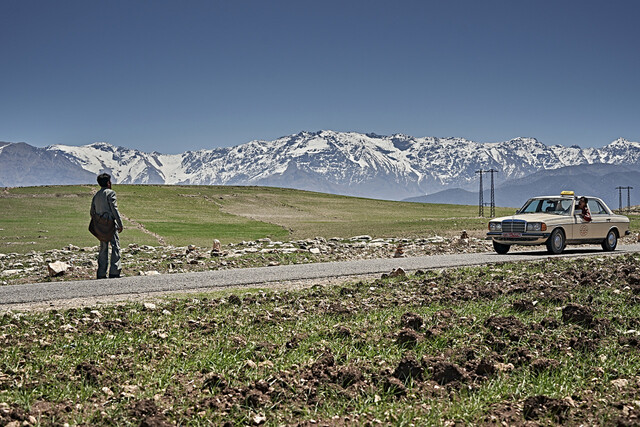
[389, 167]
[24, 165]
[598, 180]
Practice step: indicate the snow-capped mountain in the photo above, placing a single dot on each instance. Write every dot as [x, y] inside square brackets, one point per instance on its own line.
[390, 167]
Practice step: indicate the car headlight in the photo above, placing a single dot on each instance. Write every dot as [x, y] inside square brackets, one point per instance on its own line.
[536, 226]
[495, 226]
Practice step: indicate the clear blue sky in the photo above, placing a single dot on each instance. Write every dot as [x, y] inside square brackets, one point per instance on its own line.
[176, 75]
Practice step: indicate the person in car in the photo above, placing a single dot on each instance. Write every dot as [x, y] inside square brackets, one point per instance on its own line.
[583, 204]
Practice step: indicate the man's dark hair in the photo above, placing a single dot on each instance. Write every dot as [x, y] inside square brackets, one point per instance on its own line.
[584, 198]
[103, 179]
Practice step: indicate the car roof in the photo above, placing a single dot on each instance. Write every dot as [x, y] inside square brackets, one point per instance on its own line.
[560, 196]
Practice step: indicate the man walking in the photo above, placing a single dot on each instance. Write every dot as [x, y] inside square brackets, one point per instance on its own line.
[104, 204]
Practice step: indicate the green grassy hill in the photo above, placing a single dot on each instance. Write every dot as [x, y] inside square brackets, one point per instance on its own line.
[39, 218]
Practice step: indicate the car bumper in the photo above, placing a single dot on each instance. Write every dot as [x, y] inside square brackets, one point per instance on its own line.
[519, 238]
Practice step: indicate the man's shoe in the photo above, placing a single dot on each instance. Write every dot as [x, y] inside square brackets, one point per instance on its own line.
[114, 276]
[101, 277]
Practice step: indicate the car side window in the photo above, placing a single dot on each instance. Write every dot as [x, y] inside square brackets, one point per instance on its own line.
[596, 208]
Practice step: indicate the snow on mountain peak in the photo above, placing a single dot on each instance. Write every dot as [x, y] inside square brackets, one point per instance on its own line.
[371, 165]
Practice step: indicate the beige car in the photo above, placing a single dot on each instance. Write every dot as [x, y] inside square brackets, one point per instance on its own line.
[556, 221]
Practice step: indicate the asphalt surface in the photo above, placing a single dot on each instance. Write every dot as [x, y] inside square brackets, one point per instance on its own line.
[122, 288]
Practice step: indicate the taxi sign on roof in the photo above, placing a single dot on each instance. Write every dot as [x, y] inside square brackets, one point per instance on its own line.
[567, 193]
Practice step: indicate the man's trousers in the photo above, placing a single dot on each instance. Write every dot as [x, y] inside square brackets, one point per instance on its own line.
[115, 266]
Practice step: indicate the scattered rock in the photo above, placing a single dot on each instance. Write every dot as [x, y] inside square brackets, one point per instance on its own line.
[259, 419]
[149, 273]
[7, 273]
[57, 268]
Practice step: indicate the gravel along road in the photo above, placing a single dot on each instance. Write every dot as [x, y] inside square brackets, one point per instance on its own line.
[87, 292]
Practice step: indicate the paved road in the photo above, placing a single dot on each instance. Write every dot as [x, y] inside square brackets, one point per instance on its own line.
[106, 289]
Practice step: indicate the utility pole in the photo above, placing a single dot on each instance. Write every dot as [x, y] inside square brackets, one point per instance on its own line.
[493, 194]
[480, 197]
[619, 199]
[628, 197]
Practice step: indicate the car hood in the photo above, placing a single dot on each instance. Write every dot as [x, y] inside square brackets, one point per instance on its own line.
[533, 217]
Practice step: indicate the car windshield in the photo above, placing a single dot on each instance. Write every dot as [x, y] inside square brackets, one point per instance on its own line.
[555, 206]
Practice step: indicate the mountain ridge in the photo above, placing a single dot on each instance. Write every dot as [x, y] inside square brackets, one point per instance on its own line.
[390, 167]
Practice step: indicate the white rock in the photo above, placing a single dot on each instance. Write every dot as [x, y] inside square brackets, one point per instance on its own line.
[620, 382]
[373, 244]
[57, 268]
[7, 273]
[149, 273]
[436, 239]
[315, 251]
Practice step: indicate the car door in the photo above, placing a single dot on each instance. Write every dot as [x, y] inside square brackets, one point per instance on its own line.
[600, 220]
[582, 230]
[566, 207]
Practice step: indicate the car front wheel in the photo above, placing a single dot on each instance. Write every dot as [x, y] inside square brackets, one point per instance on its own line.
[610, 243]
[500, 248]
[556, 242]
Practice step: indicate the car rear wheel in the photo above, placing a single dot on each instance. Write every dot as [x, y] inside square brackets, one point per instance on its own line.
[556, 242]
[500, 248]
[610, 243]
